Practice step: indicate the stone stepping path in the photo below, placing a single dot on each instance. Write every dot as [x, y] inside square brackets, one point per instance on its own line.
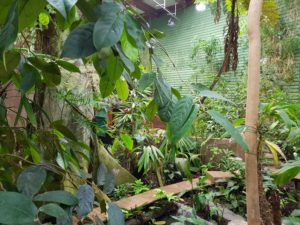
[217, 176]
[148, 197]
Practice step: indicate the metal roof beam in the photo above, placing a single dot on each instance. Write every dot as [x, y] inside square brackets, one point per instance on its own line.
[147, 9]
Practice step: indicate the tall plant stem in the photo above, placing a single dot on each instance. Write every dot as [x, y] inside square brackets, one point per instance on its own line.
[251, 135]
[158, 171]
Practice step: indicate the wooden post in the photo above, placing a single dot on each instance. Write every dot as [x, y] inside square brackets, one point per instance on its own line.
[253, 207]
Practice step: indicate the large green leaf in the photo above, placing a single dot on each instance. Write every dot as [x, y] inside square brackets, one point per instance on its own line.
[31, 180]
[135, 31]
[101, 173]
[65, 220]
[224, 122]
[291, 220]
[85, 195]
[105, 178]
[29, 14]
[51, 74]
[100, 66]
[9, 31]
[63, 129]
[62, 197]
[212, 94]
[184, 167]
[176, 93]
[127, 140]
[151, 110]
[106, 86]
[285, 117]
[294, 134]
[38, 62]
[29, 76]
[130, 66]
[136, 72]
[296, 212]
[54, 210]
[129, 47]
[163, 93]
[50, 70]
[12, 60]
[113, 73]
[68, 66]
[16, 209]
[114, 68]
[72, 19]
[4, 7]
[122, 89]
[108, 7]
[164, 99]
[182, 118]
[79, 43]
[165, 112]
[108, 30]
[115, 215]
[146, 80]
[63, 6]
[287, 172]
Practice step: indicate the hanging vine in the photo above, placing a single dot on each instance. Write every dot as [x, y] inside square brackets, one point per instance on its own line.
[231, 39]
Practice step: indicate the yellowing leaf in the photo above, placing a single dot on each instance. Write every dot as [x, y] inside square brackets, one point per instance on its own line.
[275, 149]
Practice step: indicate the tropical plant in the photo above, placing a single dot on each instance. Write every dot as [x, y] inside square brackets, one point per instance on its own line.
[287, 172]
[159, 193]
[293, 219]
[182, 220]
[228, 162]
[129, 189]
[139, 187]
[114, 53]
[279, 120]
[21, 207]
[151, 158]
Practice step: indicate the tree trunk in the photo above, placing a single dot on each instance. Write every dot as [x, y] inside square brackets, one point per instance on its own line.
[252, 179]
[122, 176]
[48, 42]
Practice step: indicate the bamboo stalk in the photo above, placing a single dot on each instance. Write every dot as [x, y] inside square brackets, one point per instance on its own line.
[251, 136]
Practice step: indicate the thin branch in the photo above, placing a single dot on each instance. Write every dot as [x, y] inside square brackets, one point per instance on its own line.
[4, 88]
[27, 43]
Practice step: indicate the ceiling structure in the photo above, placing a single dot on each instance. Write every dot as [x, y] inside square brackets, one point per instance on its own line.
[156, 8]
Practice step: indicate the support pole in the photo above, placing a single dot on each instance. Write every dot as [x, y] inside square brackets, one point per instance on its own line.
[252, 183]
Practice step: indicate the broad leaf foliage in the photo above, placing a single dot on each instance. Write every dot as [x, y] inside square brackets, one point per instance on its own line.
[80, 42]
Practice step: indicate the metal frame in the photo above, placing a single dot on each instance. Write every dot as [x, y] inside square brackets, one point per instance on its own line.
[163, 6]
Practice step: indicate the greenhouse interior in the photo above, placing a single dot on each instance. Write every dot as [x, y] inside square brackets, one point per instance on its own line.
[158, 112]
